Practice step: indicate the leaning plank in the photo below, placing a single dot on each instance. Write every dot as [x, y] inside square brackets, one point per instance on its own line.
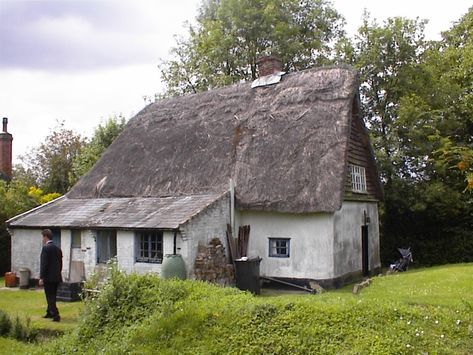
[288, 284]
[231, 244]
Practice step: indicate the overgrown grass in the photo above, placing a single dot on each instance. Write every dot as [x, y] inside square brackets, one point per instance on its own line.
[423, 311]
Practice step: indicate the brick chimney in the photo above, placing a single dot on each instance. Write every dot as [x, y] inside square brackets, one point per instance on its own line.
[5, 152]
[268, 65]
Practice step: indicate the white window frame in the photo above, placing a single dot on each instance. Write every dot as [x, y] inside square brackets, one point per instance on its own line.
[275, 247]
[358, 178]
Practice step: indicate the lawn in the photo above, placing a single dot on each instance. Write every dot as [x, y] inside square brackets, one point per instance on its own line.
[427, 310]
[448, 285]
[32, 304]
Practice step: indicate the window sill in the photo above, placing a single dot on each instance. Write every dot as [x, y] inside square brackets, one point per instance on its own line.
[149, 262]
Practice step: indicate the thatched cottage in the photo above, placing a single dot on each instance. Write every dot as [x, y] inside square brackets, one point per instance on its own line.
[288, 155]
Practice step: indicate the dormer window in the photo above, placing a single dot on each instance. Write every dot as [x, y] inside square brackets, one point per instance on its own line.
[358, 178]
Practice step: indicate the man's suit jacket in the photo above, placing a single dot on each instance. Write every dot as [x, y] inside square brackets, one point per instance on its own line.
[51, 263]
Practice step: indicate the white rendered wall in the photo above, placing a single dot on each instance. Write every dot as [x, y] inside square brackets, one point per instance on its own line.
[347, 242]
[126, 252]
[66, 252]
[26, 247]
[311, 245]
[88, 251]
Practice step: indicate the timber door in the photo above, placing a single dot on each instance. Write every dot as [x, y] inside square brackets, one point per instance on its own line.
[364, 251]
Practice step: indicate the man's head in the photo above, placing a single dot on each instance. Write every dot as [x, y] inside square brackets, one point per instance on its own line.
[47, 235]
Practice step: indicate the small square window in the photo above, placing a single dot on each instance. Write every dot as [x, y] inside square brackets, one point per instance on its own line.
[76, 238]
[358, 178]
[279, 247]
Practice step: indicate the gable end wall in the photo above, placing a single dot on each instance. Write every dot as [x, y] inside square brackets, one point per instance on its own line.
[200, 229]
[359, 153]
[347, 238]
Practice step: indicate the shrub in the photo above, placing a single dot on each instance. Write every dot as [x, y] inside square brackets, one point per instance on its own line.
[23, 331]
[16, 329]
[5, 323]
[148, 315]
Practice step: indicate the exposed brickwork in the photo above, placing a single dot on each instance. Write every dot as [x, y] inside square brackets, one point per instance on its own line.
[202, 228]
[6, 155]
[269, 65]
[211, 264]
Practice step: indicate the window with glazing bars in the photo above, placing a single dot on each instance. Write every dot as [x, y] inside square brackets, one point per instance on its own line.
[358, 178]
[150, 246]
[279, 247]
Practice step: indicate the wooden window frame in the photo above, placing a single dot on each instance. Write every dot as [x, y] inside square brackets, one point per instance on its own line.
[279, 247]
[149, 246]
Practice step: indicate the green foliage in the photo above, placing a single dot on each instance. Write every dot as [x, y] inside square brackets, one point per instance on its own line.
[31, 304]
[16, 197]
[16, 328]
[433, 218]
[5, 323]
[387, 57]
[456, 157]
[443, 108]
[231, 35]
[426, 311]
[103, 136]
[415, 96]
[22, 330]
[51, 163]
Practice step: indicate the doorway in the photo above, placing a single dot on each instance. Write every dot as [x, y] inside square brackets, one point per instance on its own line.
[56, 236]
[364, 251]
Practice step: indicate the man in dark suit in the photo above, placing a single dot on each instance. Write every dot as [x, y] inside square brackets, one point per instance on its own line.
[50, 273]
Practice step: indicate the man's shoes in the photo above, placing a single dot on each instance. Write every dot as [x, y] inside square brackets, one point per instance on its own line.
[47, 315]
[56, 319]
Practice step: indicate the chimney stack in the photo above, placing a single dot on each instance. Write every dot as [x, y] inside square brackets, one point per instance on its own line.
[268, 65]
[5, 152]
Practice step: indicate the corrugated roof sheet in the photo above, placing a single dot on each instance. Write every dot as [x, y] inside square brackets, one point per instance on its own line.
[126, 213]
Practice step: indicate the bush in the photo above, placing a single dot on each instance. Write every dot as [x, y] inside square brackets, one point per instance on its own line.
[149, 315]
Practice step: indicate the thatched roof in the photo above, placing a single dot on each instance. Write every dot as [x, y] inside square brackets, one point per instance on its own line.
[283, 145]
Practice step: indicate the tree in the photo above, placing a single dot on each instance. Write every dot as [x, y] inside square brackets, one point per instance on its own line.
[230, 35]
[51, 163]
[451, 63]
[16, 197]
[387, 57]
[103, 136]
[415, 98]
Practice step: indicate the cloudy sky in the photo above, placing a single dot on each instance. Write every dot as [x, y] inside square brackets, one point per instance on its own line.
[81, 61]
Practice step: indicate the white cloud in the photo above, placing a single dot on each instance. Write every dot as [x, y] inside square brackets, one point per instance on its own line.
[82, 60]
[36, 101]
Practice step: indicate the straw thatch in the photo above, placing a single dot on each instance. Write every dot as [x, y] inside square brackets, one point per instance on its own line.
[284, 145]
